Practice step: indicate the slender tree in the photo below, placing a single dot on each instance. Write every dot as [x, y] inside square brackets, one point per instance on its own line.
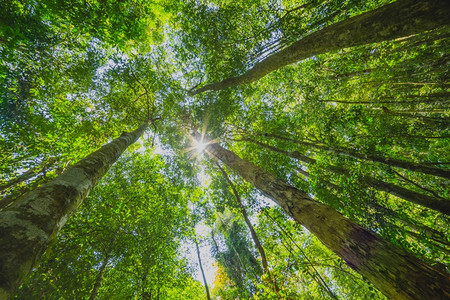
[399, 19]
[101, 271]
[431, 233]
[31, 223]
[253, 234]
[28, 174]
[439, 204]
[197, 248]
[396, 273]
[374, 157]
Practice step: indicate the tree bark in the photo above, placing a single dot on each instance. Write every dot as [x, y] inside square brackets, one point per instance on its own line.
[31, 223]
[399, 19]
[396, 273]
[201, 269]
[253, 234]
[439, 204]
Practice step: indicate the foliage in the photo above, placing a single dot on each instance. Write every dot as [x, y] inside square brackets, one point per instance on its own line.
[136, 218]
[75, 74]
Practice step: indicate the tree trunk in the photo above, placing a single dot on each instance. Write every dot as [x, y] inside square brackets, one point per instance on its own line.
[9, 199]
[99, 279]
[389, 216]
[429, 232]
[201, 268]
[393, 162]
[315, 275]
[396, 273]
[255, 238]
[399, 19]
[27, 175]
[31, 223]
[439, 204]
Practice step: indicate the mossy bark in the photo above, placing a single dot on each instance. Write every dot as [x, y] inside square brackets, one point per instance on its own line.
[31, 223]
[399, 19]
[439, 204]
[396, 273]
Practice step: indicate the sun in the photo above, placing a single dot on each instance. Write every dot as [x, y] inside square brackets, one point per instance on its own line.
[197, 146]
[200, 145]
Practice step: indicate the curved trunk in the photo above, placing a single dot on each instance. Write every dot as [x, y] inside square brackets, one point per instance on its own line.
[399, 19]
[31, 223]
[396, 273]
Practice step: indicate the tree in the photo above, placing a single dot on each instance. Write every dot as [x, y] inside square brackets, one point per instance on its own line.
[396, 273]
[143, 212]
[437, 203]
[33, 221]
[358, 123]
[253, 234]
[208, 296]
[388, 22]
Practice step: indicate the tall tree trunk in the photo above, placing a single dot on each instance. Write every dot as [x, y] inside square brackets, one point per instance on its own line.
[255, 238]
[393, 162]
[99, 279]
[396, 273]
[31, 223]
[201, 268]
[394, 20]
[439, 204]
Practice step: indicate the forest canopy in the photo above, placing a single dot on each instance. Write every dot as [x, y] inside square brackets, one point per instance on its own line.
[302, 144]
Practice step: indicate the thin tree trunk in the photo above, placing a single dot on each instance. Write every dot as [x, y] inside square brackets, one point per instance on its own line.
[394, 20]
[430, 121]
[434, 236]
[316, 274]
[99, 279]
[439, 204]
[9, 199]
[27, 175]
[412, 166]
[396, 273]
[31, 223]
[427, 231]
[255, 238]
[201, 268]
